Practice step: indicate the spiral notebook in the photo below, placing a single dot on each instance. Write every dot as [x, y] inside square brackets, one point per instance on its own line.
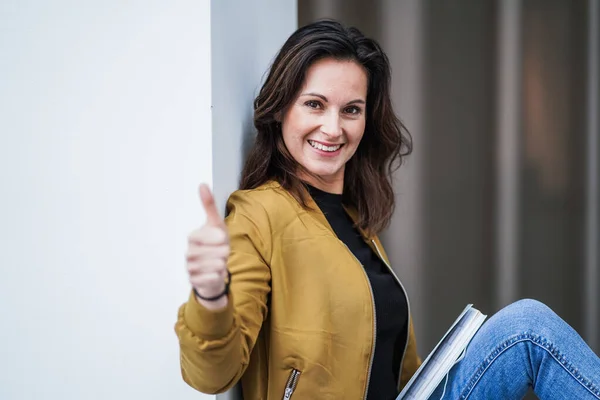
[444, 355]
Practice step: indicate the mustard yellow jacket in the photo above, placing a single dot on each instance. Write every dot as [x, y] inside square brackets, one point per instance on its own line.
[300, 320]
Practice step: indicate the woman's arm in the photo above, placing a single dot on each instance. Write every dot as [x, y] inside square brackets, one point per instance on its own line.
[216, 344]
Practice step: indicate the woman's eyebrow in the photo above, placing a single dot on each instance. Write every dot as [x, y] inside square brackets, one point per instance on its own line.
[356, 101]
[316, 95]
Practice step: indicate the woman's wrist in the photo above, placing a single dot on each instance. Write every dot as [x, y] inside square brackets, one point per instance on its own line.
[217, 298]
[213, 305]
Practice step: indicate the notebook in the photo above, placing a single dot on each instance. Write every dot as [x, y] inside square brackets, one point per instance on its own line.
[444, 355]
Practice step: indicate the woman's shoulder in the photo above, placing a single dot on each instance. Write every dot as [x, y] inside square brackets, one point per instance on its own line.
[263, 196]
[268, 201]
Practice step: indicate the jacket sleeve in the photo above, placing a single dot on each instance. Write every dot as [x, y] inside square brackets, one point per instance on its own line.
[215, 346]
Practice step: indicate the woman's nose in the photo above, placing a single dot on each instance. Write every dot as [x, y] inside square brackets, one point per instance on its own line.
[331, 125]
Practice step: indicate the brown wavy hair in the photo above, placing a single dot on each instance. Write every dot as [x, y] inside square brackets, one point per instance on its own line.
[368, 173]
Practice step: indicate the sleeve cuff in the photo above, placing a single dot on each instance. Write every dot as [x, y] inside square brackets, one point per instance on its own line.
[208, 324]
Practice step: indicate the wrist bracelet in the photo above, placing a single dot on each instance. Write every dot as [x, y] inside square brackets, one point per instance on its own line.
[225, 291]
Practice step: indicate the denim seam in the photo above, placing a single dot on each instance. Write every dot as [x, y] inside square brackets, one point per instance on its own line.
[540, 342]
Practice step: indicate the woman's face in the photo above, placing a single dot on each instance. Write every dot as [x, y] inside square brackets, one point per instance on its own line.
[325, 122]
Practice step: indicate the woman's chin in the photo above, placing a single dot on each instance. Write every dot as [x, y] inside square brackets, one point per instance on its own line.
[327, 174]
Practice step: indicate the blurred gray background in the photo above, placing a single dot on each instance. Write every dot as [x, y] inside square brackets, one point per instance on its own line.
[499, 200]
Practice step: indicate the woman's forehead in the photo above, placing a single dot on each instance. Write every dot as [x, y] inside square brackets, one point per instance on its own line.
[336, 78]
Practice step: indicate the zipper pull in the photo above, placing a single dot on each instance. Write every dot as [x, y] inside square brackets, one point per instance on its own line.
[290, 386]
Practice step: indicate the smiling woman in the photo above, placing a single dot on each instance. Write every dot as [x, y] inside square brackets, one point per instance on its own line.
[293, 294]
[295, 276]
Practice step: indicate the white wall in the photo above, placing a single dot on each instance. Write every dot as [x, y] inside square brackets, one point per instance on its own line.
[246, 36]
[105, 133]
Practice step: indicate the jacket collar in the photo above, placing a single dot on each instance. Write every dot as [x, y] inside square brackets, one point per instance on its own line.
[315, 212]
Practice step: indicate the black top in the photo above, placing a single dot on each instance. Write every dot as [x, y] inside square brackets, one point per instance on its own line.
[391, 309]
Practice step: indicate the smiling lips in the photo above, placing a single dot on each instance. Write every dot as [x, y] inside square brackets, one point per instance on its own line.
[322, 147]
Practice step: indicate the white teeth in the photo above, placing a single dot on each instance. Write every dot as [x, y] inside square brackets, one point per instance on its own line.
[324, 148]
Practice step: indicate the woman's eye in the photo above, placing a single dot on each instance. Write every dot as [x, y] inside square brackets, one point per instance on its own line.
[353, 110]
[313, 104]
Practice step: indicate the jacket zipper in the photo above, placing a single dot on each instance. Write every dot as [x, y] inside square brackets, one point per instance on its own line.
[291, 383]
[374, 321]
[407, 306]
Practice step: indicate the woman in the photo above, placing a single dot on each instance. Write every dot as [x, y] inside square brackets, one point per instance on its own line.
[293, 293]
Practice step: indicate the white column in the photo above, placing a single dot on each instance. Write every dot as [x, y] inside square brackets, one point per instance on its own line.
[105, 134]
[246, 36]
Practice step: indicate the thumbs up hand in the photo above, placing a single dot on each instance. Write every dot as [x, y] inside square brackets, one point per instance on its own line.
[208, 250]
[208, 201]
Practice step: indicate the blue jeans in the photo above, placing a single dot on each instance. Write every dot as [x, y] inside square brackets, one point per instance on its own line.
[524, 345]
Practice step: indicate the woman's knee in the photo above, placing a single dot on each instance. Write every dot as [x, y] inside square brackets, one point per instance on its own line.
[528, 315]
[529, 307]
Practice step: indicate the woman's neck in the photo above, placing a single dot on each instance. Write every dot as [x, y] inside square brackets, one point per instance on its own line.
[333, 185]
